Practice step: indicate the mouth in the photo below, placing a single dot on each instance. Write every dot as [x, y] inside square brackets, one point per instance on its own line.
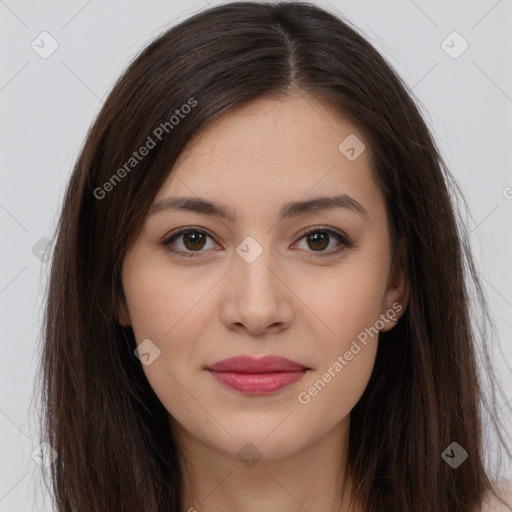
[261, 376]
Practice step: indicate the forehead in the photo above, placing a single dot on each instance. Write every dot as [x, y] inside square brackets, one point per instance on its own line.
[274, 151]
[297, 129]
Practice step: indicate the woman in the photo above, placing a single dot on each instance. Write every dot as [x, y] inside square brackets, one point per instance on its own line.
[260, 295]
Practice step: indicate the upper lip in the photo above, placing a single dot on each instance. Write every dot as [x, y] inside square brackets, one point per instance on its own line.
[248, 364]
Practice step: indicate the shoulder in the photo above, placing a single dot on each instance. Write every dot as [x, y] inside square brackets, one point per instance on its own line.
[492, 504]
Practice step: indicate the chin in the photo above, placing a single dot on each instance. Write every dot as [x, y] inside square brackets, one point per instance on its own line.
[263, 439]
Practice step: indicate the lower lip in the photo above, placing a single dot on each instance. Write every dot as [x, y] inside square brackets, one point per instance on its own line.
[258, 383]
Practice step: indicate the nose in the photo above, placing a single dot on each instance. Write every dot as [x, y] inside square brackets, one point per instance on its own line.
[257, 297]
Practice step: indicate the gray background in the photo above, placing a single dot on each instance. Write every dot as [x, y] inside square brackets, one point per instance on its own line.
[48, 104]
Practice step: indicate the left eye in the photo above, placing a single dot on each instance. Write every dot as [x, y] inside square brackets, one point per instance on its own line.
[319, 239]
[194, 240]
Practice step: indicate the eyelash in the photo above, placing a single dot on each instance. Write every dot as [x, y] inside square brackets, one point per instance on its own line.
[345, 243]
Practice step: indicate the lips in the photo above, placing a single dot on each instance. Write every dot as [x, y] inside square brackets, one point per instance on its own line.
[257, 376]
[246, 364]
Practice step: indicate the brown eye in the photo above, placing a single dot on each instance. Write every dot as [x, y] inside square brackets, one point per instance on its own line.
[188, 241]
[194, 240]
[319, 240]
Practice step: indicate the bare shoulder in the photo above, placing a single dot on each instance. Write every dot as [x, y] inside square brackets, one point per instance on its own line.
[492, 504]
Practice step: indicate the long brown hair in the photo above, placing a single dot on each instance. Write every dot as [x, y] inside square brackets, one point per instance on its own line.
[110, 431]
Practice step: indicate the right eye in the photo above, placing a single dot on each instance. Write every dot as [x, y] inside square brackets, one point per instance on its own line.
[193, 240]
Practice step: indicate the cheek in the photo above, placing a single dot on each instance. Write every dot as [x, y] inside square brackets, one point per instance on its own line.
[159, 300]
[344, 302]
[348, 306]
[330, 394]
[347, 345]
[164, 309]
[172, 310]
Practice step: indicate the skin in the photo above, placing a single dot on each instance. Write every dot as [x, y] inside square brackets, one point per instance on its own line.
[291, 301]
[492, 504]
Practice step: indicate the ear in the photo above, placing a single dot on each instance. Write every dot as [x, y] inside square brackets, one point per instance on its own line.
[396, 296]
[122, 314]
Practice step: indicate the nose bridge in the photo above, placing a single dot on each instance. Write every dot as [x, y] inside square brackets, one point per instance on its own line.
[257, 295]
[253, 267]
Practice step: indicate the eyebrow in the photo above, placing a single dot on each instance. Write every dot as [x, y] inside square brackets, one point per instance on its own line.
[289, 210]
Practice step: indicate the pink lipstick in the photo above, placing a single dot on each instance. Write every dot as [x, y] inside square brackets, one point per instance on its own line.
[257, 376]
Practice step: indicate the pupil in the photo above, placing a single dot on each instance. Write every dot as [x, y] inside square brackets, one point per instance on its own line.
[319, 238]
[194, 238]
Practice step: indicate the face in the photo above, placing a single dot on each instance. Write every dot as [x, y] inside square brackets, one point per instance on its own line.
[312, 284]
